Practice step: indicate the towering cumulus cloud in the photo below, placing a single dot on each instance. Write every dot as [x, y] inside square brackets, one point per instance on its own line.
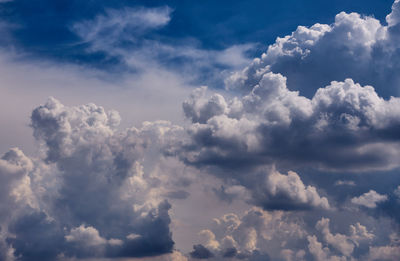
[91, 197]
[354, 46]
[274, 124]
[291, 150]
[323, 98]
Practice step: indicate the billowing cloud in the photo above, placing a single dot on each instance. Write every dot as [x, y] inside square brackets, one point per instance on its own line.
[322, 99]
[292, 188]
[91, 192]
[344, 126]
[242, 237]
[369, 199]
[278, 235]
[354, 46]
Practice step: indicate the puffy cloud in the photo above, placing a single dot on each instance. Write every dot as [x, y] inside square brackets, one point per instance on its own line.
[85, 235]
[273, 190]
[15, 194]
[209, 236]
[279, 235]
[274, 124]
[338, 241]
[384, 253]
[321, 253]
[199, 109]
[91, 190]
[89, 236]
[343, 127]
[354, 46]
[393, 18]
[15, 181]
[369, 199]
[99, 191]
[290, 186]
[251, 235]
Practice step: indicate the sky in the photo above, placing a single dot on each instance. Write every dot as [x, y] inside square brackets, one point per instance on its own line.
[199, 130]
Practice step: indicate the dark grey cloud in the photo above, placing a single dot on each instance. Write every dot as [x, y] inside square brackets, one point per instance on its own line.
[230, 252]
[178, 194]
[201, 252]
[36, 237]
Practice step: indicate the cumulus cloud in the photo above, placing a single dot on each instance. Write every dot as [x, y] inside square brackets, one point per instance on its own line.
[278, 235]
[15, 195]
[391, 253]
[247, 236]
[274, 124]
[300, 105]
[89, 236]
[343, 127]
[89, 192]
[321, 253]
[338, 241]
[99, 192]
[369, 199]
[354, 46]
[273, 190]
[290, 186]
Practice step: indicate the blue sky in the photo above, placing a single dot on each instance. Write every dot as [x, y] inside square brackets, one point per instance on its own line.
[199, 130]
[42, 28]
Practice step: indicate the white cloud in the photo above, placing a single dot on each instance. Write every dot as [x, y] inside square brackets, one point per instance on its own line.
[292, 187]
[107, 31]
[338, 241]
[271, 123]
[369, 199]
[345, 183]
[397, 191]
[393, 18]
[85, 235]
[100, 180]
[391, 253]
[321, 253]
[256, 230]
